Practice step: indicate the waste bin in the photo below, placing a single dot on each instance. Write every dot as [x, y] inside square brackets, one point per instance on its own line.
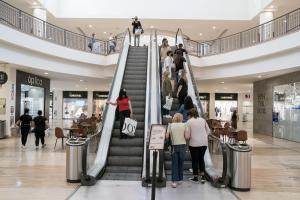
[73, 159]
[15, 131]
[2, 129]
[239, 169]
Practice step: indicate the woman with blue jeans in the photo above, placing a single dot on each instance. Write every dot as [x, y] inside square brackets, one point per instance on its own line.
[177, 131]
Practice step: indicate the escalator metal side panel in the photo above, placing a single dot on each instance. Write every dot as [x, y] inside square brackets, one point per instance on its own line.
[108, 123]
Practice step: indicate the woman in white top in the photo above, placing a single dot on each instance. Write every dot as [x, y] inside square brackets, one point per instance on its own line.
[168, 63]
[197, 132]
[177, 131]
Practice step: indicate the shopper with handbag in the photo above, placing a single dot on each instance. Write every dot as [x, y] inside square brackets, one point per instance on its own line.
[137, 30]
[177, 131]
[186, 107]
[166, 90]
[197, 133]
[125, 109]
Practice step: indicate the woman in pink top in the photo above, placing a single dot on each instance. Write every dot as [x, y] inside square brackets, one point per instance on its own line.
[125, 109]
[197, 132]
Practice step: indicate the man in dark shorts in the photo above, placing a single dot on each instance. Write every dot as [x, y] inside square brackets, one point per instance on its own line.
[40, 125]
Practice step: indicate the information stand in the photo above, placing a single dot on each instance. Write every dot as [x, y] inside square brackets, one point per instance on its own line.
[157, 141]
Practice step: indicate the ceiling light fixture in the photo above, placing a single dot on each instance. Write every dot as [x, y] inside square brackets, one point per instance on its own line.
[104, 32]
[90, 26]
[260, 76]
[222, 82]
[86, 88]
[54, 88]
[214, 27]
[34, 3]
[81, 80]
[151, 26]
[200, 34]
[46, 73]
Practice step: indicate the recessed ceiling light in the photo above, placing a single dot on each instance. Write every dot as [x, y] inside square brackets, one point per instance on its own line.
[225, 88]
[46, 73]
[34, 3]
[214, 27]
[259, 76]
[81, 80]
[222, 82]
[271, 6]
[86, 88]
[90, 26]
[151, 26]
[200, 34]
[104, 32]
[54, 88]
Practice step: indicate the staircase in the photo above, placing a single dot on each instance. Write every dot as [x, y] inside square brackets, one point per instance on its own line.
[125, 159]
[167, 153]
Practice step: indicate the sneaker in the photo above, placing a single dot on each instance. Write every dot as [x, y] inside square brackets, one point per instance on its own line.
[36, 147]
[43, 146]
[174, 184]
[194, 179]
[23, 147]
[202, 179]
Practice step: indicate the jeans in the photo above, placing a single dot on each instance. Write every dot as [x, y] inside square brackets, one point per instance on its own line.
[178, 156]
[111, 48]
[123, 114]
[25, 128]
[197, 154]
[136, 40]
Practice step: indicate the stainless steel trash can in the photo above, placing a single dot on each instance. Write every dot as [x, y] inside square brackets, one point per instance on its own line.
[2, 129]
[15, 131]
[239, 166]
[73, 159]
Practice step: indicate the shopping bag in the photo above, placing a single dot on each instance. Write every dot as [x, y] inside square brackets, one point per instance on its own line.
[138, 31]
[129, 126]
[169, 101]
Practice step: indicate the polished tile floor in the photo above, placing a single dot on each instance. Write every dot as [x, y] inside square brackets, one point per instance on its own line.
[40, 174]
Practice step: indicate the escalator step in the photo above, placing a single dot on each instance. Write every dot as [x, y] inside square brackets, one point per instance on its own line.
[123, 169]
[130, 142]
[138, 133]
[125, 160]
[140, 125]
[122, 176]
[128, 151]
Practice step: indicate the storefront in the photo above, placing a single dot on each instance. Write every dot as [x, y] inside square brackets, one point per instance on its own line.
[286, 111]
[32, 92]
[225, 104]
[204, 98]
[74, 103]
[99, 101]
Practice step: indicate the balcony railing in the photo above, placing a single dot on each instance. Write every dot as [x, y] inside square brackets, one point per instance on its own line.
[16, 18]
[278, 27]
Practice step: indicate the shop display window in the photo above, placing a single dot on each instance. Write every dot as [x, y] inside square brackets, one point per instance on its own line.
[32, 98]
[286, 111]
[73, 107]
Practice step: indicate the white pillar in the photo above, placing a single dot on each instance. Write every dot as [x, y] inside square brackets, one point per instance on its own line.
[39, 25]
[266, 30]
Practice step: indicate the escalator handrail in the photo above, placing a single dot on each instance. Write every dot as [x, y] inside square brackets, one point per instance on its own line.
[98, 167]
[193, 93]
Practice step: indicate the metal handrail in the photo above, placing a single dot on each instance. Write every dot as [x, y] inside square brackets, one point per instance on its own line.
[275, 28]
[34, 26]
[86, 179]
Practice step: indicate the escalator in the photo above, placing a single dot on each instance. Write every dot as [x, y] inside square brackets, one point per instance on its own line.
[125, 158]
[105, 155]
[215, 156]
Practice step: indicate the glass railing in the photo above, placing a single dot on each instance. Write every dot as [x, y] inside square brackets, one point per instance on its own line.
[278, 27]
[26, 23]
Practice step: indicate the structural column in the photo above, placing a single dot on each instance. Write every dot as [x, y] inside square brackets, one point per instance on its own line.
[266, 30]
[39, 25]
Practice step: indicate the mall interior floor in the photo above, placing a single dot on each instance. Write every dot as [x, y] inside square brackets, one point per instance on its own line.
[40, 174]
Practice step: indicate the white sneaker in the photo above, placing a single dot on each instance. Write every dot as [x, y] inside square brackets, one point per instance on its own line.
[174, 184]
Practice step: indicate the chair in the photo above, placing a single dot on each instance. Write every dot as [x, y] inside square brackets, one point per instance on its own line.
[59, 134]
[242, 136]
[231, 135]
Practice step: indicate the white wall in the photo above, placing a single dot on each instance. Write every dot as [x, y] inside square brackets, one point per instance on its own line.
[8, 91]
[156, 9]
[278, 54]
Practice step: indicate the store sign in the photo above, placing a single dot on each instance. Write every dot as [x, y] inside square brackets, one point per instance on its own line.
[100, 94]
[3, 78]
[75, 94]
[204, 96]
[31, 79]
[226, 96]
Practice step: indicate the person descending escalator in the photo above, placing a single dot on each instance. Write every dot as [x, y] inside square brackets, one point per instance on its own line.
[137, 30]
[182, 89]
[179, 61]
[125, 109]
[197, 133]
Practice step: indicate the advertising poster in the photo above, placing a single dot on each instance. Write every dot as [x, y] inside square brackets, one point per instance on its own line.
[157, 137]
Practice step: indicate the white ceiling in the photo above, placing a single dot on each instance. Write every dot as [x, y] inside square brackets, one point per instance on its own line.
[192, 28]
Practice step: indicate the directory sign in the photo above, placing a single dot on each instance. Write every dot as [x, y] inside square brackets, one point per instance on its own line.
[157, 136]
